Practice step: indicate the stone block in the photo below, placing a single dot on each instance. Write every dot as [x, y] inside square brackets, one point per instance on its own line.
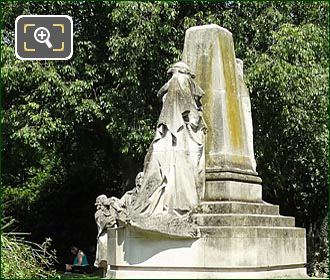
[230, 252]
[236, 207]
[247, 220]
[233, 191]
[230, 174]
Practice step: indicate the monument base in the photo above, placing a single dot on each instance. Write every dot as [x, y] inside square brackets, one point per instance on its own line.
[244, 249]
[165, 273]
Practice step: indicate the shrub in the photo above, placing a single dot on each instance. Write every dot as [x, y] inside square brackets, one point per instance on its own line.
[21, 259]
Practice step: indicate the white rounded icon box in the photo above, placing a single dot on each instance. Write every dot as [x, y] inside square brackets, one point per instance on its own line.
[43, 37]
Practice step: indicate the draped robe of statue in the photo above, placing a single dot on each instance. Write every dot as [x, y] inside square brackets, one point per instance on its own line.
[102, 239]
[173, 166]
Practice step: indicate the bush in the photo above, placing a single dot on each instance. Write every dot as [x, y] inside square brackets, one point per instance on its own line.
[21, 259]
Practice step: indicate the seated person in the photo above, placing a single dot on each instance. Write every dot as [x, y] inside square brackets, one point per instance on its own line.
[80, 262]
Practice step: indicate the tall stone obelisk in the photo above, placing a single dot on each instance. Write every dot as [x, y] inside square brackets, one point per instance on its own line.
[230, 163]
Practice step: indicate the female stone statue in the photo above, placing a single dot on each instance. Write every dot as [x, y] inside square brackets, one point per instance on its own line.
[173, 167]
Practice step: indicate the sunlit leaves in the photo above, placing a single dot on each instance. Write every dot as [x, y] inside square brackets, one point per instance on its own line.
[289, 90]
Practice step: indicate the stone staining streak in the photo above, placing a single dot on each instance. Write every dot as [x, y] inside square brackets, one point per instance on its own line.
[233, 109]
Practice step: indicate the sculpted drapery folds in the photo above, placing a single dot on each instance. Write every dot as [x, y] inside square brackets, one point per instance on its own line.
[174, 163]
[168, 189]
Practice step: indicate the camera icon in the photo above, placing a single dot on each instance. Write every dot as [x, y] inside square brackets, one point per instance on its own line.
[43, 37]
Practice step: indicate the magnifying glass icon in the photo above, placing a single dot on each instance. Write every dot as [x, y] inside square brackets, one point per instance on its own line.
[41, 35]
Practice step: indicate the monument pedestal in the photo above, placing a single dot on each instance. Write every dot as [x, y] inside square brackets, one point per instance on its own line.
[229, 185]
[241, 237]
[238, 240]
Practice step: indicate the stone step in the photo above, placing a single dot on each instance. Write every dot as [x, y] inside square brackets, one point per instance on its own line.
[256, 231]
[243, 220]
[227, 207]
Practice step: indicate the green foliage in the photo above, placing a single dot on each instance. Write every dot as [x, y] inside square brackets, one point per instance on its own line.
[75, 129]
[289, 84]
[318, 253]
[21, 259]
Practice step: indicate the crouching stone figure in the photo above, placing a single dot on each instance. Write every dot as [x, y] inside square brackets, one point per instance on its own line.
[105, 216]
[108, 212]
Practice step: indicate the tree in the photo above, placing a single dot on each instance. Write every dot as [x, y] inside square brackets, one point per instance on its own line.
[75, 129]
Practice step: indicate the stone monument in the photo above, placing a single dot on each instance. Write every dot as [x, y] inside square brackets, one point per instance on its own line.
[197, 208]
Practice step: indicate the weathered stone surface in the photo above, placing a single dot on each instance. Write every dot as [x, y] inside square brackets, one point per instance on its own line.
[223, 207]
[247, 220]
[209, 51]
[253, 231]
[223, 174]
[170, 225]
[232, 190]
[231, 252]
[166, 273]
[244, 96]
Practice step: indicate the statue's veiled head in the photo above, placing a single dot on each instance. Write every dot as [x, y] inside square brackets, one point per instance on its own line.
[101, 200]
[180, 67]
